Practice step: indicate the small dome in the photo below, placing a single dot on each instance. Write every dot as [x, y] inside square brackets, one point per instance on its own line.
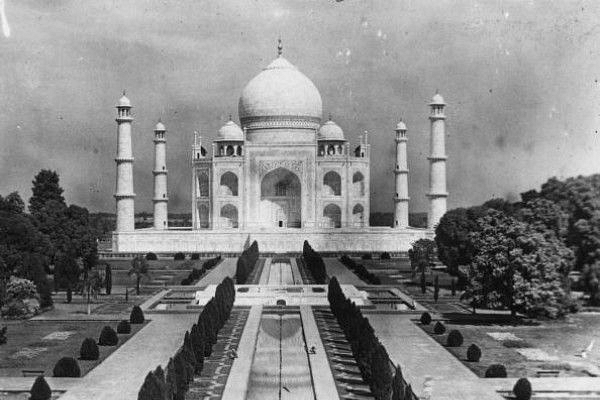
[124, 101]
[280, 90]
[159, 127]
[330, 131]
[230, 131]
[437, 100]
[401, 126]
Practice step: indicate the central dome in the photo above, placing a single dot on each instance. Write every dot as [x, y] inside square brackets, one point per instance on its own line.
[280, 91]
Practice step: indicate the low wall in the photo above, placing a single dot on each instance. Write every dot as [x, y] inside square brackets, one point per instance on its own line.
[394, 241]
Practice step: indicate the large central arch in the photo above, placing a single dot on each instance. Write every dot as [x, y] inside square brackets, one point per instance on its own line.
[281, 199]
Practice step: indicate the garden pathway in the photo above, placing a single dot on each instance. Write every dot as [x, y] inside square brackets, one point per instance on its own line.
[122, 373]
[420, 356]
[343, 274]
[226, 268]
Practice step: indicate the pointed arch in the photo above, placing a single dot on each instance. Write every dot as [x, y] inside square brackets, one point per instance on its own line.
[228, 185]
[229, 216]
[332, 216]
[358, 184]
[332, 184]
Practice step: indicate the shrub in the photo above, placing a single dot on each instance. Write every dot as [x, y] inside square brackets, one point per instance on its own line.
[496, 371]
[136, 316]
[89, 350]
[66, 367]
[179, 256]
[40, 389]
[195, 256]
[367, 256]
[20, 289]
[522, 389]
[385, 256]
[108, 337]
[425, 318]
[151, 256]
[473, 353]
[108, 278]
[3, 338]
[123, 327]
[439, 328]
[455, 339]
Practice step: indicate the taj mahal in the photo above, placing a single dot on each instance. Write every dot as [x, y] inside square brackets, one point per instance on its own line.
[282, 176]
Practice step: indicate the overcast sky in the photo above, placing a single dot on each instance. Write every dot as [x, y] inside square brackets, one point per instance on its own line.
[521, 79]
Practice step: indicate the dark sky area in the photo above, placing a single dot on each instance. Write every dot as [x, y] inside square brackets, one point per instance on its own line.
[521, 79]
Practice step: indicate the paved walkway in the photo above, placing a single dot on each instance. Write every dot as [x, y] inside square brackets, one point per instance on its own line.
[218, 273]
[420, 356]
[324, 384]
[121, 375]
[344, 275]
[559, 384]
[239, 375]
[266, 272]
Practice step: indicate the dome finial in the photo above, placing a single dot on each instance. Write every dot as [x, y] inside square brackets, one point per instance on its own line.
[159, 119]
[231, 119]
[279, 47]
[330, 118]
[124, 92]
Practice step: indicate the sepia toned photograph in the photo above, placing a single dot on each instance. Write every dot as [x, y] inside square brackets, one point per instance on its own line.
[312, 200]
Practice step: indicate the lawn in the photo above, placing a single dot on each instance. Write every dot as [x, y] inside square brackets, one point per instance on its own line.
[549, 345]
[38, 345]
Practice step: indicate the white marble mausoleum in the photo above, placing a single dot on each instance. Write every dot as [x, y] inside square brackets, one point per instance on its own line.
[280, 176]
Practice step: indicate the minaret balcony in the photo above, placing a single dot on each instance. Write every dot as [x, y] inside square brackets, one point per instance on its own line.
[437, 158]
[399, 171]
[160, 171]
[399, 199]
[124, 159]
[124, 195]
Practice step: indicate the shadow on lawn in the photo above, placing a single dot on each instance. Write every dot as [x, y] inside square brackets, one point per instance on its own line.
[488, 319]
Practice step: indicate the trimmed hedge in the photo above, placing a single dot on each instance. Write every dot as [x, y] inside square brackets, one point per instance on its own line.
[385, 256]
[196, 273]
[496, 371]
[89, 350]
[124, 327]
[136, 316]
[197, 343]
[425, 318]
[522, 389]
[314, 263]
[108, 337]
[246, 263]
[455, 339]
[195, 256]
[371, 356]
[40, 390]
[179, 256]
[473, 353]
[360, 270]
[66, 367]
[151, 256]
[439, 328]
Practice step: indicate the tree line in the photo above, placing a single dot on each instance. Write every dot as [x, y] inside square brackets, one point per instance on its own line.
[245, 263]
[518, 255]
[173, 382]
[314, 263]
[52, 234]
[385, 380]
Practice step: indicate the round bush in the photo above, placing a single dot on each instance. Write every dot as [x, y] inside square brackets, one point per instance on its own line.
[439, 328]
[473, 353]
[40, 389]
[522, 389]
[123, 327]
[179, 256]
[89, 350]
[136, 316]
[66, 367]
[108, 337]
[195, 256]
[455, 339]
[151, 256]
[425, 318]
[496, 371]
[385, 256]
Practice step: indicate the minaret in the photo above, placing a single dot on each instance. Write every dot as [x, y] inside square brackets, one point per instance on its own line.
[401, 173]
[124, 187]
[437, 162]
[160, 177]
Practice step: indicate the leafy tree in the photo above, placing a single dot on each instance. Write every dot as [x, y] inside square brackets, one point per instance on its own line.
[381, 368]
[545, 215]
[591, 281]
[139, 269]
[454, 246]
[45, 188]
[421, 255]
[66, 272]
[518, 268]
